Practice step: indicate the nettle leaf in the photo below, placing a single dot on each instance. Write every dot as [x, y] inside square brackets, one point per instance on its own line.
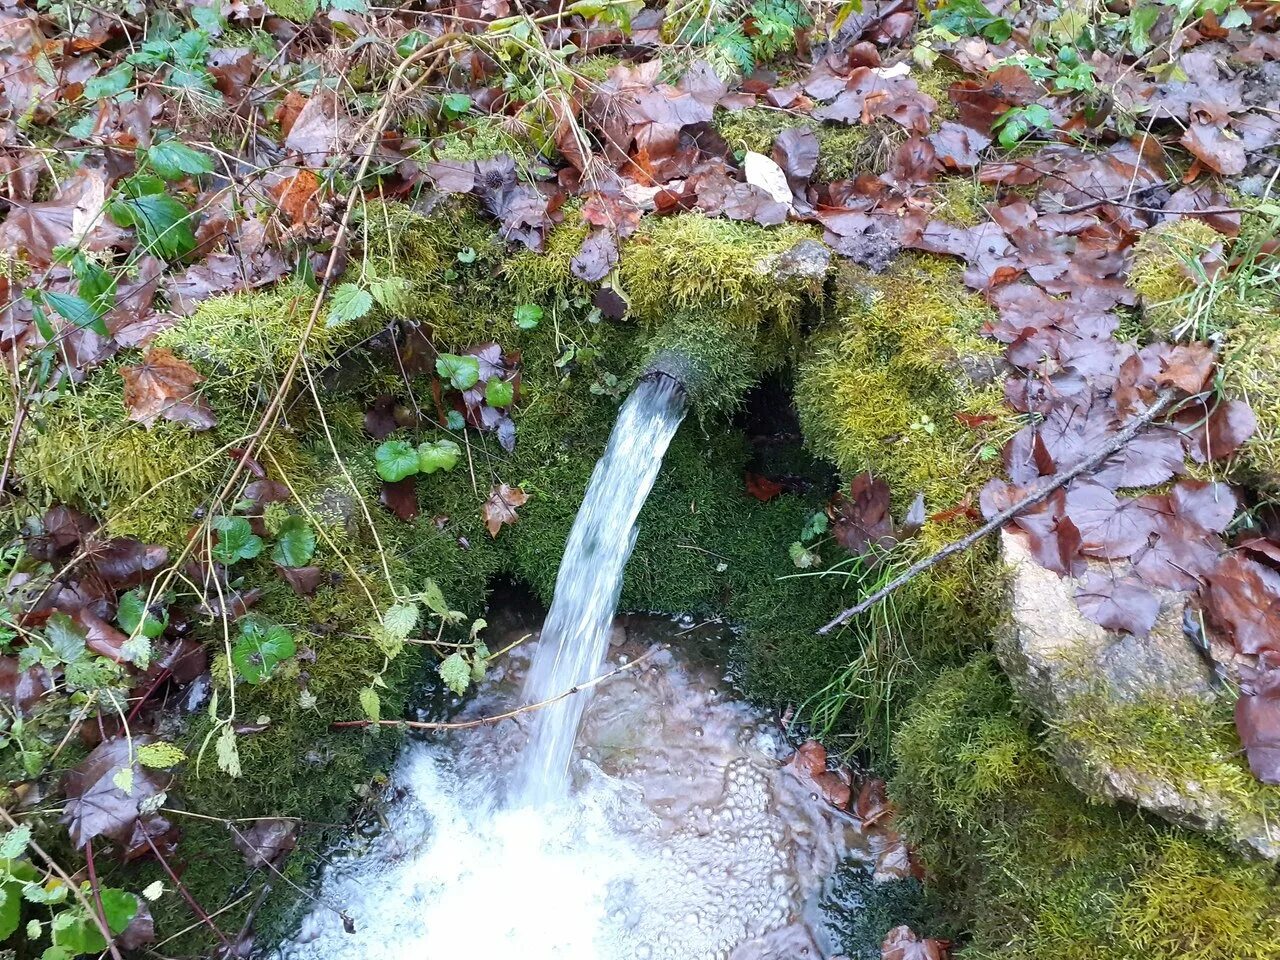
[349, 302]
[371, 703]
[260, 649]
[815, 526]
[295, 545]
[228, 754]
[400, 619]
[456, 673]
[396, 459]
[109, 84]
[803, 557]
[164, 226]
[13, 843]
[462, 372]
[134, 618]
[527, 316]
[173, 160]
[236, 540]
[433, 597]
[499, 393]
[390, 293]
[438, 455]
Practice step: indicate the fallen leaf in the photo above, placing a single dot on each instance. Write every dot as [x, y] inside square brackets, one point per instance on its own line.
[95, 805]
[1258, 719]
[401, 498]
[501, 506]
[268, 841]
[1242, 599]
[860, 520]
[1118, 603]
[902, 944]
[762, 488]
[164, 385]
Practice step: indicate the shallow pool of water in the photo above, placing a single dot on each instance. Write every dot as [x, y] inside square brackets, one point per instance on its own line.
[684, 837]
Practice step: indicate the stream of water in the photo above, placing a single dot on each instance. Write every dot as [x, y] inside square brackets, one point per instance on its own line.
[590, 581]
[675, 835]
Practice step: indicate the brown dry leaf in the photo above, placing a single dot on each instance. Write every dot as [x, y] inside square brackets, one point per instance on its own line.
[96, 806]
[501, 506]
[1243, 601]
[401, 498]
[321, 128]
[268, 841]
[1258, 719]
[296, 196]
[1216, 147]
[762, 488]
[164, 385]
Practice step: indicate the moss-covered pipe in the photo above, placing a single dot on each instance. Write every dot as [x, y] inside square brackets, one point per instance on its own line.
[714, 362]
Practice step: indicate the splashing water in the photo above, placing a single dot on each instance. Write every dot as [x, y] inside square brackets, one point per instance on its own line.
[590, 581]
[684, 839]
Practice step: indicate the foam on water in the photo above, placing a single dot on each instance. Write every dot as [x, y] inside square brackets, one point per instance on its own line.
[683, 838]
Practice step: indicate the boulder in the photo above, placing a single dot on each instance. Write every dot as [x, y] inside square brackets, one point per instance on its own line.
[1096, 688]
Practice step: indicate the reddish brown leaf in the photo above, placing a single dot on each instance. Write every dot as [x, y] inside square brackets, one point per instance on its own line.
[860, 520]
[268, 841]
[1188, 367]
[1243, 601]
[304, 580]
[95, 805]
[501, 506]
[762, 488]
[1109, 527]
[20, 690]
[401, 498]
[123, 563]
[597, 257]
[902, 944]
[1230, 424]
[1118, 603]
[101, 637]
[1215, 146]
[164, 385]
[229, 604]
[296, 196]
[320, 129]
[1258, 719]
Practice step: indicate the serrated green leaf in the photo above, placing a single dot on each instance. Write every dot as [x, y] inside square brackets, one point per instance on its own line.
[109, 84]
[160, 755]
[499, 393]
[76, 310]
[400, 619]
[371, 703]
[438, 455]
[295, 544]
[10, 910]
[13, 843]
[390, 293]
[164, 226]
[433, 597]
[173, 160]
[259, 649]
[815, 526]
[802, 557]
[456, 673]
[347, 303]
[396, 459]
[123, 779]
[462, 372]
[236, 540]
[228, 754]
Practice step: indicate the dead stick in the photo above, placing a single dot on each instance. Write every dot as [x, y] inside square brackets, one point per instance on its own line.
[468, 724]
[1162, 402]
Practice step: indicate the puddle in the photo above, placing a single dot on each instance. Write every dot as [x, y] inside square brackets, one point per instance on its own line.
[683, 839]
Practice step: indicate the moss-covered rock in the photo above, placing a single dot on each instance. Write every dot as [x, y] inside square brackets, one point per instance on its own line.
[1044, 874]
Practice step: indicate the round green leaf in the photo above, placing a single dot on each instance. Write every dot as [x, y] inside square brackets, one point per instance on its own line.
[499, 392]
[259, 649]
[236, 540]
[296, 543]
[438, 455]
[527, 315]
[462, 372]
[396, 460]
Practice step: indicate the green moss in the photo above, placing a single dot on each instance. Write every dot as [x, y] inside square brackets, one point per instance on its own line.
[1047, 875]
[882, 387]
[1163, 270]
[1180, 741]
[963, 201]
[486, 137]
[82, 449]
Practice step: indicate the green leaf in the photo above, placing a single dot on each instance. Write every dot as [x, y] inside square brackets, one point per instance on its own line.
[467, 255]
[433, 597]
[454, 421]
[349, 302]
[296, 543]
[527, 316]
[109, 84]
[164, 225]
[13, 843]
[455, 105]
[438, 455]
[499, 392]
[396, 459]
[134, 618]
[228, 753]
[815, 526]
[802, 557]
[462, 372]
[161, 755]
[456, 673]
[1016, 123]
[410, 42]
[390, 293]
[400, 619]
[118, 906]
[65, 638]
[10, 910]
[76, 311]
[174, 160]
[260, 649]
[236, 540]
[371, 703]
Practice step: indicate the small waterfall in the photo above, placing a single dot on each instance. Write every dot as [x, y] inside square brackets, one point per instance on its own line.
[575, 635]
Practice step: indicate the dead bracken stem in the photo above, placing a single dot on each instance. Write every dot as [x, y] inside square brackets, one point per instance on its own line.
[1162, 402]
[527, 708]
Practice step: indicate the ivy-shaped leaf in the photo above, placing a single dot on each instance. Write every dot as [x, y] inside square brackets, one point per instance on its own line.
[173, 160]
[259, 649]
[134, 618]
[236, 540]
[396, 459]
[438, 455]
[296, 543]
[499, 392]
[462, 372]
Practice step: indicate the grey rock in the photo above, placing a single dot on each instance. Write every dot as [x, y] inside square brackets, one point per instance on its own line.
[805, 263]
[1058, 661]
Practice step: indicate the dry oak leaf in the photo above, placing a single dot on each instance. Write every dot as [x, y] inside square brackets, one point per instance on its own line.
[500, 508]
[164, 385]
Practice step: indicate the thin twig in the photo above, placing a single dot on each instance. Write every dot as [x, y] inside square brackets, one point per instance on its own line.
[1162, 402]
[186, 894]
[468, 724]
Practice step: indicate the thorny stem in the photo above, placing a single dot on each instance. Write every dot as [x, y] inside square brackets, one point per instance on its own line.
[1162, 402]
[527, 708]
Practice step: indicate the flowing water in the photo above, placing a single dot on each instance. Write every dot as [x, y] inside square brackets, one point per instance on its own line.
[677, 834]
[684, 838]
[590, 581]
